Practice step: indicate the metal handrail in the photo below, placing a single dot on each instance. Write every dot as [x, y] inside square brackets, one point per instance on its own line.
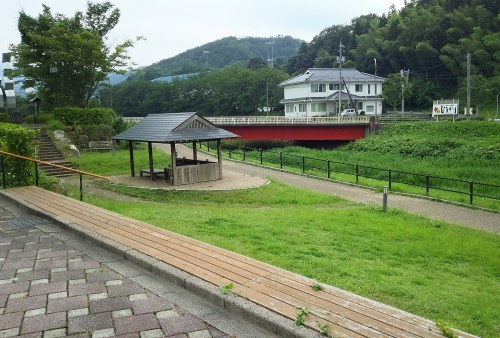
[80, 172]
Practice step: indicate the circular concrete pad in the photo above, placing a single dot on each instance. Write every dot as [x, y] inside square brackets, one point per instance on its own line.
[230, 181]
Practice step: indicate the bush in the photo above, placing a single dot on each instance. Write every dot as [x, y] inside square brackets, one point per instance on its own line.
[4, 117]
[80, 135]
[257, 144]
[55, 125]
[42, 118]
[85, 116]
[17, 140]
[120, 125]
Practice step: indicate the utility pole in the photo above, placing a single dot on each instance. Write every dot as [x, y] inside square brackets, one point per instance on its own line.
[267, 98]
[468, 84]
[270, 53]
[405, 74]
[205, 55]
[497, 107]
[376, 101]
[341, 47]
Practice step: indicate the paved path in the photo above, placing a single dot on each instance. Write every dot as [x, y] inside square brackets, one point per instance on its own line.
[54, 284]
[464, 216]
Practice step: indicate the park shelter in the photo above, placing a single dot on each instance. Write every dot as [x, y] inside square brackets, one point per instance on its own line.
[176, 128]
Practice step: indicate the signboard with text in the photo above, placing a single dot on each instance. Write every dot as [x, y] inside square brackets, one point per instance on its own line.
[445, 107]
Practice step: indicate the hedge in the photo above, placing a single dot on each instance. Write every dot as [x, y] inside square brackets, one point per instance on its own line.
[20, 141]
[4, 117]
[84, 116]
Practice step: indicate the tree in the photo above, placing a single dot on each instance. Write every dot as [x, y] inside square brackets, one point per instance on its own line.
[256, 63]
[67, 57]
[392, 90]
[480, 91]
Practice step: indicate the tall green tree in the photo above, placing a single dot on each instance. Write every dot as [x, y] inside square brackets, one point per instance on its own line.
[67, 57]
[393, 91]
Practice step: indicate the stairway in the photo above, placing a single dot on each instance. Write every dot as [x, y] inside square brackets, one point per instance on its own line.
[47, 152]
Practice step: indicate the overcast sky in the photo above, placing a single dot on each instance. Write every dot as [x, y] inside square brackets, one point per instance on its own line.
[172, 27]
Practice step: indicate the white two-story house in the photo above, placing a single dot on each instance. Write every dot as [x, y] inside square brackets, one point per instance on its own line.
[316, 92]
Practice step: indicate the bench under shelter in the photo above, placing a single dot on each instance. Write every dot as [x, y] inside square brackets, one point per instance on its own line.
[174, 128]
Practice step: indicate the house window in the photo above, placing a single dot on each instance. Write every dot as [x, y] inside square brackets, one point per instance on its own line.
[360, 105]
[302, 107]
[359, 88]
[289, 108]
[318, 87]
[330, 86]
[369, 89]
[318, 107]
[336, 86]
[370, 109]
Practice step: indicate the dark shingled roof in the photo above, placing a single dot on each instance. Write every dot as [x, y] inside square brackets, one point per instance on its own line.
[174, 127]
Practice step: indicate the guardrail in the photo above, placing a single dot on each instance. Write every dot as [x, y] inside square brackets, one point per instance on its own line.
[252, 120]
[36, 163]
[314, 165]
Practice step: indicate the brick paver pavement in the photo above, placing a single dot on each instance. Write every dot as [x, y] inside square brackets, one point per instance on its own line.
[53, 284]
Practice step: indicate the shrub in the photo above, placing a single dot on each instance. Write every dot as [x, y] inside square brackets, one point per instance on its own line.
[55, 125]
[42, 118]
[4, 117]
[17, 140]
[120, 125]
[80, 135]
[85, 116]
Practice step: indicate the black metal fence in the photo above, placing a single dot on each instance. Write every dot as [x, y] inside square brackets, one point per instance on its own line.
[326, 168]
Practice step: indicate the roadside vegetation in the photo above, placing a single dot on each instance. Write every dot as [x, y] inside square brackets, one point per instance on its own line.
[430, 268]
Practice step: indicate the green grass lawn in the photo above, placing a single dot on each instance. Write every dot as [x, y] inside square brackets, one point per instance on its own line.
[452, 153]
[430, 268]
[118, 163]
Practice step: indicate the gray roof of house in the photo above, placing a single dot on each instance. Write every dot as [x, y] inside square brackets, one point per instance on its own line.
[327, 75]
[174, 127]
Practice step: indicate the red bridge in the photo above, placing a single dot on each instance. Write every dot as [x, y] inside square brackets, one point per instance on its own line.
[296, 128]
[348, 128]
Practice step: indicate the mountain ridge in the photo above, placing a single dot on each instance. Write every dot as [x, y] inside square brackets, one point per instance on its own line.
[223, 52]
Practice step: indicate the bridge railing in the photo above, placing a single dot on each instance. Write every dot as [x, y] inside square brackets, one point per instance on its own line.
[252, 120]
[328, 168]
[256, 120]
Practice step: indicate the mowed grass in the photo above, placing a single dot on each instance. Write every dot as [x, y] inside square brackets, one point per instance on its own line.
[430, 268]
[118, 163]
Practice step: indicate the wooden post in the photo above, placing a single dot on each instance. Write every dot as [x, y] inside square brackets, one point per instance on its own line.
[195, 151]
[174, 164]
[131, 151]
[151, 164]
[219, 157]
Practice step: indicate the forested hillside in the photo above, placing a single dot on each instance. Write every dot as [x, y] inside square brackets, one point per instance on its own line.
[233, 90]
[431, 38]
[223, 52]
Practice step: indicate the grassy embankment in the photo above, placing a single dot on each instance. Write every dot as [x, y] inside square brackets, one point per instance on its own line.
[430, 268]
[464, 150]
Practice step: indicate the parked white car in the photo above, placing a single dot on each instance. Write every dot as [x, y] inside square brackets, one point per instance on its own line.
[348, 112]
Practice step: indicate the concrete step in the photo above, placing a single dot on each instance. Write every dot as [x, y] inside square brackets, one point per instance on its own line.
[49, 153]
